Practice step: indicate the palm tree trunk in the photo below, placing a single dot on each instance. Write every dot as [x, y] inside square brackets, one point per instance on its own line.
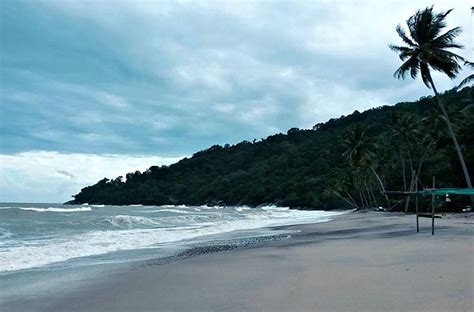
[349, 202]
[378, 178]
[352, 199]
[375, 200]
[365, 199]
[382, 188]
[420, 164]
[453, 136]
[368, 195]
[410, 161]
[404, 175]
[415, 175]
[408, 198]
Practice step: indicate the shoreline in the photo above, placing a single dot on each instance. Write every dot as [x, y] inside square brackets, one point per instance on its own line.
[355, 262]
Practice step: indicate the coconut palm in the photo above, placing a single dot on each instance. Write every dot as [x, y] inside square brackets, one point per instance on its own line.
[337, 185]
[404, 128]
[469, 79]
[361, 151]
[426, 48]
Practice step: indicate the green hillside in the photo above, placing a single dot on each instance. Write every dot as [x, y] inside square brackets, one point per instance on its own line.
[313, 169]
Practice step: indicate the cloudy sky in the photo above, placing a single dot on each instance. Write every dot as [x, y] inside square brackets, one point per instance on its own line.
[100, 88]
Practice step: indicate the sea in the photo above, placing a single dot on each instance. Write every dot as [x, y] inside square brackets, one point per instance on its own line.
[44, 245]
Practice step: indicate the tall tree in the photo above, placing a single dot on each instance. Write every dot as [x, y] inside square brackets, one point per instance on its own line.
[469, 79]
[337, 185]
[426, 48]
[361, 151]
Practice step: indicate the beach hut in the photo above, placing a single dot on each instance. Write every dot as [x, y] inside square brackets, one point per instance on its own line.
[441, 192]
[434, 193]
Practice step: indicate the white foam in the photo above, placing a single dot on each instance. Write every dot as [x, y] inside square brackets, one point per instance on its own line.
[180, 211]
[176, 211]
[43, 252]
[241, 209]
[172, 206]
[206, 207]
[98, 206]
[53, 209]
[274, 208]
[5, 234]
[131, 221]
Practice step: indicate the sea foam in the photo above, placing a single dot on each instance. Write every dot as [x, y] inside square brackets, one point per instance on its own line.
[53, 209]
[131, 231]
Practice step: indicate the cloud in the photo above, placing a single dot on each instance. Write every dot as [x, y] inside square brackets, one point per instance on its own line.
[53, 177]
[65, 173]
[173, 77]
[169, 78]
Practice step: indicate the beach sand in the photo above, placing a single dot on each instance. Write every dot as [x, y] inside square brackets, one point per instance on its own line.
[357, 262]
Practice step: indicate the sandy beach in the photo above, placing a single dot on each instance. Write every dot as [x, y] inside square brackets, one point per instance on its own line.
[357, 262]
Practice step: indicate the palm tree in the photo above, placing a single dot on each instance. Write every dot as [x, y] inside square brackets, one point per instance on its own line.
[361, 151]
[404, 128]
[338, 186]
[425, 49]
[360, 148]
[469, 78]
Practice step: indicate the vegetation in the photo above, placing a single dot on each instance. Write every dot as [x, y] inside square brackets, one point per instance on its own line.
[469, 79]
[426, 48]
[345, 162]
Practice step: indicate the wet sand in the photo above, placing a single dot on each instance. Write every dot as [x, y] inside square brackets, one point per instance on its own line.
[357, 262]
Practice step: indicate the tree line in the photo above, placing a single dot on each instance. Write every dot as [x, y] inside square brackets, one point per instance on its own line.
[346, 162]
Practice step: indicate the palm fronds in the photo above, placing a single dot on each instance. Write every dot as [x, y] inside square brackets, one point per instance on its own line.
[426, 46]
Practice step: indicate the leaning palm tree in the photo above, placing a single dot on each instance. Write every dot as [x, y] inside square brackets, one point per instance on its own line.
[469, 79]
[337, 186]
[360, 148]
[426, 48]
[361, 152]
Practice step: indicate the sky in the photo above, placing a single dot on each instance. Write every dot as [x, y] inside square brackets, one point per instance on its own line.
[93, 89]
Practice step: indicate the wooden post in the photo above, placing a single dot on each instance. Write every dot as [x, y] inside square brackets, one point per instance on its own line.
[416, 207]
[433, 207]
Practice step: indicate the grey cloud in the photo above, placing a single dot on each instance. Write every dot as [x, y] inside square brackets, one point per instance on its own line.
[65, 173]
[171, 77]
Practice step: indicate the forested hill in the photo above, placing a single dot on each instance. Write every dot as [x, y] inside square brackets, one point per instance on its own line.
[313, 169]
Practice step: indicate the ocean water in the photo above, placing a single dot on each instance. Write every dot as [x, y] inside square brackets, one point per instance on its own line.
[46, 246]
[39, 235]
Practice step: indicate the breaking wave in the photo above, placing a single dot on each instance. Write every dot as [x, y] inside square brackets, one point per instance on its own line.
[111, 229]
[53, 209]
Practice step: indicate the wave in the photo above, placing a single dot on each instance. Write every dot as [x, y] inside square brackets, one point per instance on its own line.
[241, 209]
[167, 210]
[138, 232]
[93, 243]
[7, 207]
[5, 233]
[274, 208]
[53, 209]
[175, 210]
[211, 207]
[131, 221]
[172, 206]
